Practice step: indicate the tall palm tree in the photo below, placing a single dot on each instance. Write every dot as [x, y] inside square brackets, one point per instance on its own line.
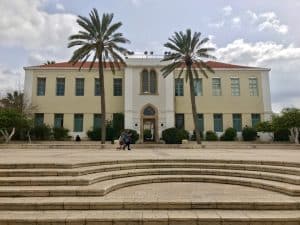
[99, 40]
[187, 54]
[14, 100]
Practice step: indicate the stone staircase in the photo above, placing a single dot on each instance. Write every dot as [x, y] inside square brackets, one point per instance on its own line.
[49, 193]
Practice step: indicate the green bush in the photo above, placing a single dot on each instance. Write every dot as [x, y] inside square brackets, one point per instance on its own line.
[265, 126]
[60, 133]
[249, 134]
[229, 134]
[41, 132]
[174, 135]
[95, 134]
[193, 137]
[282, 135]
[147, 134]
[211, 136]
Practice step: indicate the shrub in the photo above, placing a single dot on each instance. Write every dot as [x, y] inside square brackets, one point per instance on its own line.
[282, 135]
[41, 132]
[60, 133]
[211, 136]
[193, 137]
[174, 135]
[95, 134]
[229, 134]
[265, 126]
[249, 134]
[147, 134]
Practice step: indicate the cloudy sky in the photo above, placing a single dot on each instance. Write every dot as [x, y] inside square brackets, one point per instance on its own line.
[250, 32]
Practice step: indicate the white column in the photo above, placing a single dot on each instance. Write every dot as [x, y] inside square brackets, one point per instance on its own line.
[266, 94]
[170, 101]
[128, 98]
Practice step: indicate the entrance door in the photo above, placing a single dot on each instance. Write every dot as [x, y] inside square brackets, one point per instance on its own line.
[149, 130]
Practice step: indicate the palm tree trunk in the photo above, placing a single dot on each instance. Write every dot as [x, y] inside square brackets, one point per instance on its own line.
[194, 109]
[102, 99]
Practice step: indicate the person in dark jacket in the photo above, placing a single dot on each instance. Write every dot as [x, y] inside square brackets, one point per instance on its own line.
[127, 140]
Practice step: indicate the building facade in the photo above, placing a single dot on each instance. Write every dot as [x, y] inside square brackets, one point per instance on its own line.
[233, 96]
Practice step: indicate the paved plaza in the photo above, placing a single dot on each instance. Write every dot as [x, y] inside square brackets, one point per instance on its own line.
[150, 186]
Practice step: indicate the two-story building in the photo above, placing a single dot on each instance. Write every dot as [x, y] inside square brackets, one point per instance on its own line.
[233, 96]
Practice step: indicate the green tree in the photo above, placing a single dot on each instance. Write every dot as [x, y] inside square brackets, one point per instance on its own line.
[289, 119]
[187, 54]
[12, 120]
[99, 40]
[14, 100]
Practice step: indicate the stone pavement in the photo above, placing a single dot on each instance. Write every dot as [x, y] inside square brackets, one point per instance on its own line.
[150, 186]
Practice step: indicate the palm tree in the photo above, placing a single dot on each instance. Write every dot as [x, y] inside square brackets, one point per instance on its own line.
[100, 40]
[14, 100]
[187, 52]
[49, 62]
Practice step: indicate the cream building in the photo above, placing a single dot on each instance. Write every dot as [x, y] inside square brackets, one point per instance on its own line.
[234, 96]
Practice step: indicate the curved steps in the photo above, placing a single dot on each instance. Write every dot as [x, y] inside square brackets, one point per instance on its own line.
[146, 217]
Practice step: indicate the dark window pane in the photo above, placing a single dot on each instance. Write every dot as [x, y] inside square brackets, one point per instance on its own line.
[41, 86]
[179, 87]
[79, 87]
[97, 87]
[58, 120]
[38, 119]
[153, 82]
[237, 121]
[60, 86]
[97, 121]
[218, 122]
[179, 121]
[200, 122]
[145, 81]
[255, 118]
[149, 111]
[118, 87]
[78, 122]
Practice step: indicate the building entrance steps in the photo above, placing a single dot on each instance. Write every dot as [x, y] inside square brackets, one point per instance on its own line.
[141, 217]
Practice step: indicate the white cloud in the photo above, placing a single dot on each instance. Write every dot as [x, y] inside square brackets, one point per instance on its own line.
[236, 20]
[60, 7]
[268, 21]
[284, 62]
[227, 10]
[217, 25]
[136, 2]
[10, 79]
[24, 24]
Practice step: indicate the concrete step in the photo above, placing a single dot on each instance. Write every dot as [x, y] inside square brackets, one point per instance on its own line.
[102, 176]
[104, 168]
[120, 162]
[91, 203]
[146, 217]
[104, 187]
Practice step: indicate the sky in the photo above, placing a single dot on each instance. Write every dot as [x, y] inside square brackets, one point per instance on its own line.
[249, 32]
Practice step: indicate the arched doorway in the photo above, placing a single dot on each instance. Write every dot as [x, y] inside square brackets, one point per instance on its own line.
[149, 124]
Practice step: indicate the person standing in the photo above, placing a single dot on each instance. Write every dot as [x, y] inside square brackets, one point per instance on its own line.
[127, 140]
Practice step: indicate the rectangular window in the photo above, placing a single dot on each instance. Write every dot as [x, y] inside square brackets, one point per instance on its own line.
[218, 122]
[198, 87]
[235, 86]
[97, 120]
[41, 86]
[253, 86]
[97, 87]
[237, 121]
[79, 89]
[58, 120]
[216, 87]
[78, 122]
[179, 121]
[60, 86]
[38, 119]
[179, 87]
[200, 122]
[255, 118]
[117, 87]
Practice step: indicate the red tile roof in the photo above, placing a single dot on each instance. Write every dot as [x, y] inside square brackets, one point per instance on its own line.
[212, 64]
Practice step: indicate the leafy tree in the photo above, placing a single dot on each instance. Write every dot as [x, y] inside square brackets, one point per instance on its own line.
[289, 119]
[100, 40]
[12, 120]
[187, 52]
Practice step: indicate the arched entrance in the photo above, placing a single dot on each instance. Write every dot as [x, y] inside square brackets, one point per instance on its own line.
[149, 124]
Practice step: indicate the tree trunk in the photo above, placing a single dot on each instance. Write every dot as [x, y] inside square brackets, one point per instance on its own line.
[102, 99]
[193, 102]
[8, 136]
